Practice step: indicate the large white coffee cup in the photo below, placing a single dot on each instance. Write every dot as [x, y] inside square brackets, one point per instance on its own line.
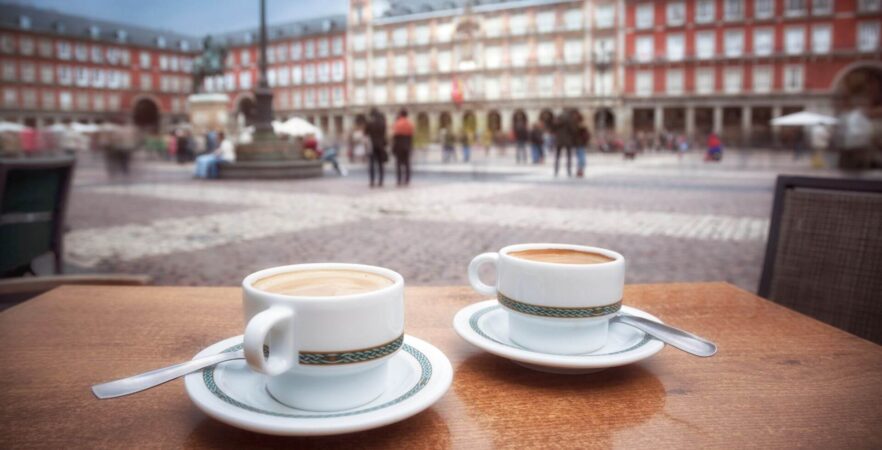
[552, 307]
[323, 353]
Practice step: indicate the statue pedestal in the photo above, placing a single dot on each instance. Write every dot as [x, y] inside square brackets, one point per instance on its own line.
[208, 112]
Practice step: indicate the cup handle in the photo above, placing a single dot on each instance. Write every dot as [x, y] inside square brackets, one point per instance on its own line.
[275, 322]
[475, 279]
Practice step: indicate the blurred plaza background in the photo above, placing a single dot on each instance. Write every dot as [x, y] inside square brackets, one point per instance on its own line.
[675, 101]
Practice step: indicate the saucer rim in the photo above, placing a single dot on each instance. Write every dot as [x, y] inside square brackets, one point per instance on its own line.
[435, 388]
[587, 361]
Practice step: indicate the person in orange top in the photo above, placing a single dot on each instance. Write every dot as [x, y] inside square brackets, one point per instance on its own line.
[402, 146]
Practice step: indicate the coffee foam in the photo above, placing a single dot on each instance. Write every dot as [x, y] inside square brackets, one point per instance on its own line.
[322, 283]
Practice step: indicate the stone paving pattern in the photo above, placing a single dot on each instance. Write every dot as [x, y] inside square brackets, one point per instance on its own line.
[673, 219]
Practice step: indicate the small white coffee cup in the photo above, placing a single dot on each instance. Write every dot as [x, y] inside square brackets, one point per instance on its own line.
[552, 307]
[325, 353]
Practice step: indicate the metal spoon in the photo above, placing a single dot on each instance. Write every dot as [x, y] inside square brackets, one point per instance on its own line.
[153, 378]
[676, 337]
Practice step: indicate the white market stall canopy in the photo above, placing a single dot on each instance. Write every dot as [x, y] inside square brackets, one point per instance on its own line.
[13, 127]
[803, 118]
[296, 126]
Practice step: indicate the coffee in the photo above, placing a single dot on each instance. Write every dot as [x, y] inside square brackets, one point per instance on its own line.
[561, 256]
[322, 283]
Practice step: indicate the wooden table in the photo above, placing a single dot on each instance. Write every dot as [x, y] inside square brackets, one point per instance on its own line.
[780, 379]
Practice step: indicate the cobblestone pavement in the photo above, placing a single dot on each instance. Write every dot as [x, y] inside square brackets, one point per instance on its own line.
[673, 219]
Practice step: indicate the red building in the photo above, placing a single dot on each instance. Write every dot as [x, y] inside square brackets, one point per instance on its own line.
[693, 66]
[62, 68]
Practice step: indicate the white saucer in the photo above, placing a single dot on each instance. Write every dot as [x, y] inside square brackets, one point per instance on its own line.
[485, 325]
[232, 393]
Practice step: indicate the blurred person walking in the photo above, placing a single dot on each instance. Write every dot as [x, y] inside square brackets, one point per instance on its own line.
[582, 140]
[361, 143]
[183, 150]
[521, 135]
[448, 145]
[466, 140]
[537, 140]
[563, 136]
[820, 140]
[714, 148]
[402, 147]
[376, 132]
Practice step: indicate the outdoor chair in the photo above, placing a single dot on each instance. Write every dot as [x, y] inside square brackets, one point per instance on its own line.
[33, 201]
[824, 252]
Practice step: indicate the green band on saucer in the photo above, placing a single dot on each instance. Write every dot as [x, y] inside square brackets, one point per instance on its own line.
[350, 357]
[558, 312]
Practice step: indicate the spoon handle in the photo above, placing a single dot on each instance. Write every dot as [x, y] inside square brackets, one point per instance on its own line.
[676, 337]
[153, 378]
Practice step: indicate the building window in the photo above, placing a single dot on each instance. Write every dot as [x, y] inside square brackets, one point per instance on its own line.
[545, 21]
[401, 65]
[704, 81]
[309, 98]
[794, 8]
[401, 93]
[821, 38]
[422, 62]
[323, 99]
[29, 98]
[379, 39]
[229, 82]
[443, 60]
[573, 51]
[28, 72]
[309, 74]
[9, 70]
[546, 52]
[163, 62]
[45, 48]
[763, 41]
[284, 78]
[517, 24]
[297, 99]
[518, 54]
[65, 77]
[10, 97]
[705, 11]
[297, 51]
[793, 78]
[359, 68]
[47, 74]
[545, 85]
[869, 5]
[146, 82]
[674, 81]
[705, 44]
[675, 47]
[7, 44]
[359, 95]
[296, 75]
[97, 54]
[82, 99]
[573, 85]
[49, 100]
[492, 57]
[337, 70]
[794, 40]
[603, 83]
[281, 53]
[380, 96]
[98, 102]
[443, 91]
[733, 9]
[422, 91]
[762, 79]
[245, 80]
[336, 46]
[676, 13]
[271, 77]
[309, 49]
[26, 45]
[65, 100]
[573, 19]
[822, 7]
[82, 76]
[868, 36]
[323, 50]
[644, 48]
[338, 96]
[644, 82]
[732, 79]
[380, 66]
[244, 58]
[145, 60]
[517, 86]
[604, 16]
[63, 50]
[734, 43]
[113, 102]
[81, 52]
[422, 34]
[323, 72]
[764, 9]
[644, 16]
[399, 36]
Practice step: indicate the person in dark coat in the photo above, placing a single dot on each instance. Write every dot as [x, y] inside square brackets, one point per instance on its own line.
[521, 135]
[537, 141]
[563, 136]
[402, 146]
[376, 131]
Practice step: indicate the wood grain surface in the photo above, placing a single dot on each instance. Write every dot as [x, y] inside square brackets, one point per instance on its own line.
[780, 379]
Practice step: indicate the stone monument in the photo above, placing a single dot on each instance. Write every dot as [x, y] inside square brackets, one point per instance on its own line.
[208, 111]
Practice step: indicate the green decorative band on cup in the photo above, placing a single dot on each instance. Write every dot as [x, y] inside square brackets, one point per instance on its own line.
[351, 357]
[558, 312]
